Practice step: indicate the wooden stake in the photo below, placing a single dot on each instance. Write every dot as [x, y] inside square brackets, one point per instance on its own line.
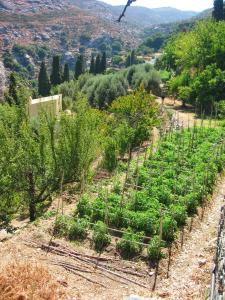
[160, 240]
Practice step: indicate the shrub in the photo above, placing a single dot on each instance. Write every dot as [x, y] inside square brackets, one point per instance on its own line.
[180, 214]
[84, 206]
[78, 230]
[101, 238]
[129, 246]
[154, 249]
[62, 226]
[110, 155]
[169, 227]
[28, 281]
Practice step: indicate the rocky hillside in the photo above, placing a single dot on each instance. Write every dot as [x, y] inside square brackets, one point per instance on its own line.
[31, 30]
[140, 16]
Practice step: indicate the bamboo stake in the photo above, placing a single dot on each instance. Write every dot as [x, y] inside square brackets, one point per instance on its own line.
[160, 240]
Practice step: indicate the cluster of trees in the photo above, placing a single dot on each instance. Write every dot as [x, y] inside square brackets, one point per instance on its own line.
[153, 43]
[38, 157]
[98, 64]
[131, 59]
[58, 76]
[102, 90]
[197, 61]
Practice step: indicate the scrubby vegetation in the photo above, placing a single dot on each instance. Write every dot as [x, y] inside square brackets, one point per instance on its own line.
[27, 281]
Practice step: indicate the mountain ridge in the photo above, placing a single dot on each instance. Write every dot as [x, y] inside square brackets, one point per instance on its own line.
[138, 15]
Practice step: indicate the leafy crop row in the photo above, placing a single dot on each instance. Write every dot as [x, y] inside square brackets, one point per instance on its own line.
[172, 184]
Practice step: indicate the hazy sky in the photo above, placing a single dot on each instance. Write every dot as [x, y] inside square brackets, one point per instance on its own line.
[196, 5]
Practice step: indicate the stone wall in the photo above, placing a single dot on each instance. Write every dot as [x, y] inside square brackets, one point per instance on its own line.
[51, 105]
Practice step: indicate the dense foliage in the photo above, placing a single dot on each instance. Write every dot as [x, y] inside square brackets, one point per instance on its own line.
[102, 90]
[197, 60]
[38, 156]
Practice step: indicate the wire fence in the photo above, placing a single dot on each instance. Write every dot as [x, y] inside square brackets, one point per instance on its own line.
[217, 290]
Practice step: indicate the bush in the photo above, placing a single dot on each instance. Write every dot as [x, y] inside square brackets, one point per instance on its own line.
[101, 238]
[169, 228]
[154, 249]
[78, 230]
[84, 207]
[62, 226]
[129, 246]
[110, 155]
[180, 214]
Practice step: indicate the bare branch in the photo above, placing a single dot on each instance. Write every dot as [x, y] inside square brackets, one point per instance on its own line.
[129, 2]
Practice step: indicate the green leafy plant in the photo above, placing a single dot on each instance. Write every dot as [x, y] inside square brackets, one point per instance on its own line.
[78, 229]
[130, 244]
[101, 238]
[62, 226]
[155, 249]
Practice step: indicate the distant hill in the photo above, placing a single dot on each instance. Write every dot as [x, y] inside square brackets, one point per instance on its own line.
[205, 14]
[146, 17]
[140, 16]
[31, 30]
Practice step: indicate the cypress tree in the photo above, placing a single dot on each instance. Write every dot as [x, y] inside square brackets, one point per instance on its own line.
[56, 71]
[98, 65]
[92, 66]
[12, 97]
[66, 73]
[218, 11]
[133, 58]
[103, 63]
[128, 61]
[44, 85]
[79, 67]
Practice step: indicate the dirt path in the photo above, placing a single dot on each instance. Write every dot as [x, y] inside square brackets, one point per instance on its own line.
[191, 268]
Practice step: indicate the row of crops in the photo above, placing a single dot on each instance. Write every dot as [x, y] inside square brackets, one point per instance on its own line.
[177, 178]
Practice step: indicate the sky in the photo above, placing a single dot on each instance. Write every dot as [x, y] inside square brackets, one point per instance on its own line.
[195, 5]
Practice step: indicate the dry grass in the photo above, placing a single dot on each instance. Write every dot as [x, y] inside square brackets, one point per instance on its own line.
[23, 281]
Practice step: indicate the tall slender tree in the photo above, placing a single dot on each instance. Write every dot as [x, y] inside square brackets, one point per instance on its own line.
[131, 59]
[12, 97]
[56, 77]
[92, 66]
[79, 67]
[66, 73]
[98, 64]
[44, 85]
[218, 11]
[103, 63]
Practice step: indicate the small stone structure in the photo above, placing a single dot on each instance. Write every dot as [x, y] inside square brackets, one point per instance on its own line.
[51, 105]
